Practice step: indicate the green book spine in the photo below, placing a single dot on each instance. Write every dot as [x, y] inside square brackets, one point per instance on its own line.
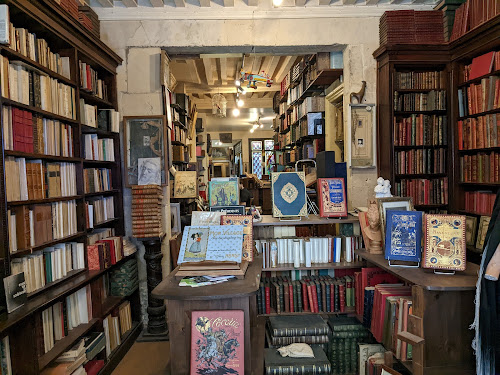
[334, 356]
[348, 327]
[350, 334]
[354, 356]
[409, 350]
[347, 355]
[341, 356]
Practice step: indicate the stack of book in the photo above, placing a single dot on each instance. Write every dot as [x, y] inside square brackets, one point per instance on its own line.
[433, 100]
[99, 234]
[95, 343]
[420, 161]
[311, 293]
[69, 362]
[27, 132]
[285, 330]
[96, 148]
[89, 12]
[471, 14]
[104, 253]
[347, 333]
[97, 180]
[70, 6]
[480, 167]
[411, 27]
[62, 317]
[275, 364]
[480, 202]
[418, 130]
[147, 211]
[420, 80]
[124, 279]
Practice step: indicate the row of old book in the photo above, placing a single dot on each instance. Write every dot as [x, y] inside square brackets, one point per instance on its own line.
[283, 231]
[60, 318]
[419, 80]
[34, 179]
[423, 191]
[147, 210]
[104, 119]
[480, 97]
[97, 180]
[480, 202]
[420, 161]
[88, 114]
[434, 100]
[21, 84]
[480, 168]
[5, 360]
[280, 294]
[482, 65]
[90, 81]
[104, 253]
[116, 325]
[32, 133]
[311, 104]
[178, 133]
[419, 130]
[50, 264]
[308, 251]
[471, 14]
[411, 27]
[29, 45]
[95, 148]
[98, 210]
[480, 132]
[31, 226]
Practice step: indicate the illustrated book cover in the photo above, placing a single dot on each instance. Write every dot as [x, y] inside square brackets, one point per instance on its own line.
[223, 192]
[247, 222]
[403, 235]
[332, 200]
[470, 230]
[445, 242]
[215, 243]
[288, 190]
[484, 222]
[185, 184]
[217, 342]
[15, 291]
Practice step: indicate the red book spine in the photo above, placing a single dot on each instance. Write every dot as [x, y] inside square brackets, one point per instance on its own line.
[342, 297]
[305, 300]
[315, 297]
[332, 297]
[268, 299]
[311, 297]
[290, 295]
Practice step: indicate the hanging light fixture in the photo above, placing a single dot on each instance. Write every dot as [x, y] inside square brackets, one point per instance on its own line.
[236, 112]
[219, 104]
[240, 102]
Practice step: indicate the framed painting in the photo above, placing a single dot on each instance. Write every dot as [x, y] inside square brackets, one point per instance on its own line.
[392, 203]
[185, 184]
[221, 153]
[362, 141]
[145, 138]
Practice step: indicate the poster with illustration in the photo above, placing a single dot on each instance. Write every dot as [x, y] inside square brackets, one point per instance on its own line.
[217, 342]
[224, 192]
[194, 244]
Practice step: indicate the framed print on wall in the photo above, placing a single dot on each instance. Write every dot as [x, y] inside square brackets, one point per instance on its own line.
[361, 138]
[145, 138]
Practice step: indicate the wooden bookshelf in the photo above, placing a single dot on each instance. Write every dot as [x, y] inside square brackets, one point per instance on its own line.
[347, 311]
[315, 266]
[310, 220]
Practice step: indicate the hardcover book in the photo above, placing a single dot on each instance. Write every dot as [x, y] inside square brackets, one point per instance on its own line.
[305, 325]
[332, 200]
[403, 235]
[223, 192]
[470, 230]
[247, 222]
[484, 222]
[288, 190]
[217, 342]
[15, 291]
[278, 365]
[215, 243]
[445, 242]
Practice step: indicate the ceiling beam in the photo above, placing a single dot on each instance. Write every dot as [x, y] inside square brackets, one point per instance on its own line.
[228, 3]
[247, 64]
[300, 3]
[325, 2]
[348, 2]
[157, 3]
[180, 3]
[106, 3]
[194, 70]
[207, 62]
[270, 64]
[205, 3]
[223, 70]
[285, 68]
[372, 2]
[252, 3]
[231, 103]
[257, 62]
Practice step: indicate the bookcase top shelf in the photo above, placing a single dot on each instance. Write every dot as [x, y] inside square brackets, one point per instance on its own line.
[461, 281]
[315, 266]
[311, 220]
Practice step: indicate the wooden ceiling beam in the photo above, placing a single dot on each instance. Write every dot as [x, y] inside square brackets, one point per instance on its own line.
[253, 3]
[207, 62]
[270, 64]
[231, 103]
[204, 3]
[257, 62]
[300, 3]
[223, 70]
[106, 3]
[226, 89]
[372, 2]
[157, 3]
[180, 3]
[325, 2]
[193, 68]
[228, 3]
[285, 68]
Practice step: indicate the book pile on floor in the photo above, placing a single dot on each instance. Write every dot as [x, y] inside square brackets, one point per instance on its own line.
[146, 211]
[124, 279]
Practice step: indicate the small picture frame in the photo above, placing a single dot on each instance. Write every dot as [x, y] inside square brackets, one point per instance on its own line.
[144, 138]
[470, 230]
[392, 203]
[175, 217]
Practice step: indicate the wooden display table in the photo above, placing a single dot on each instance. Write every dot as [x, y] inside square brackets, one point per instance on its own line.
[231, 295]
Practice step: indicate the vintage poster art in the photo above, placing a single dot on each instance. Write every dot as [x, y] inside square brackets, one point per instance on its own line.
[484, 222]
[470, 230]
[332, 200]
[404, 236]
[185, 184]
[445, 242]
[223, 192]
[247, 222]
[145, 138]
[217, 342]
[194, 244]
[288, 190]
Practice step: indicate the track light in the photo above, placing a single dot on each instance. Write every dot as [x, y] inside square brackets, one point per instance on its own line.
[243, 91]
[261, 126]
[236, 112]
[240, 102]
[237, 83]
[277, 3]
[252, 130]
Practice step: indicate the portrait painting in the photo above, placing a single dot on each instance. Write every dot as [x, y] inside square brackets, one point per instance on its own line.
[149, 171]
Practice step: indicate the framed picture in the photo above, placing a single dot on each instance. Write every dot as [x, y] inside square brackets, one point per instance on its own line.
[395, 204]
[361, 137]
[185, 184]
[470, 230]
[221, 153]
[145, 138]
[175, 217]
[484, 222]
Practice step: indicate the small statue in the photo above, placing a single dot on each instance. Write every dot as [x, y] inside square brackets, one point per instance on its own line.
[359, 95]
[383, 188]
[373, 230]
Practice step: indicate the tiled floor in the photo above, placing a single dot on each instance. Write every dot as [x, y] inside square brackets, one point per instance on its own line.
[145, 358]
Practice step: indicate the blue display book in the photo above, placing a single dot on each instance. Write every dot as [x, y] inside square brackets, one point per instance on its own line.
[403, 236]
[289, 194]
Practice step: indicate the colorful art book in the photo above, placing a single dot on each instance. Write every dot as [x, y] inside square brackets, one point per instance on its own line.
[217, 342]
[288, 190]
[247, 222]
[214, 243]
[185, 184]
[332, 200]
[223, 192]
[445, 242]
[403, 235]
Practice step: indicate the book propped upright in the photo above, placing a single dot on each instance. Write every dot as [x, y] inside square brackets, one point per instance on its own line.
[403, 238]
[482, 65]
[15, 291]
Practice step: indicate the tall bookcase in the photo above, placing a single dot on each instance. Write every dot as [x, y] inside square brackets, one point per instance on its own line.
[68, 38]
[413, 134]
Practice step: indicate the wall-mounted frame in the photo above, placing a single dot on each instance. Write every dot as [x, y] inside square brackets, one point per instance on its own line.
[144, 137]
[361, 137]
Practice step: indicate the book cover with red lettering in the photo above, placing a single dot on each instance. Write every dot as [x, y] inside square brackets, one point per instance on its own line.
[217, 342]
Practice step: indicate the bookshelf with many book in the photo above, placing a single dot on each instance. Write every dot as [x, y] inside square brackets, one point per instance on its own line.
[62, 212]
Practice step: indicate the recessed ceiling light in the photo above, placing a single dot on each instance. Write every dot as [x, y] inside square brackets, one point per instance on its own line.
[236, 112]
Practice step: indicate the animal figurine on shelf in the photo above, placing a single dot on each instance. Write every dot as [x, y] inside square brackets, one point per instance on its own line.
[359, 95]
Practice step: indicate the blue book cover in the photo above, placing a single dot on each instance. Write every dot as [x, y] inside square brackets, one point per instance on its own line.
[403, 235]
[289, 194]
